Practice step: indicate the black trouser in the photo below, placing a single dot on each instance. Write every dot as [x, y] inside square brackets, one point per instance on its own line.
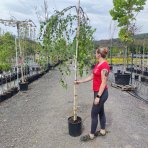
[98, 109]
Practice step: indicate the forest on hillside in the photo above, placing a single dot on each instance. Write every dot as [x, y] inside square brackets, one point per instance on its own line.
[140, 40]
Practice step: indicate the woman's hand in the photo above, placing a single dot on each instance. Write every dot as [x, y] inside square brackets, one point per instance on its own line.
[87, 79]
[77, 82]
[96, 101]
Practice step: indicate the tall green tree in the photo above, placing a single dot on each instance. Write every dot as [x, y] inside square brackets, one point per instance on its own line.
[7, 51]
[125, 12]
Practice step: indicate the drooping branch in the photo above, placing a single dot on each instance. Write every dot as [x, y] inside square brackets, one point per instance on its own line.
[59, 36]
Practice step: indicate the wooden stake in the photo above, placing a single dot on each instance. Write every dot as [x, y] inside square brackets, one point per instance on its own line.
[76, 57]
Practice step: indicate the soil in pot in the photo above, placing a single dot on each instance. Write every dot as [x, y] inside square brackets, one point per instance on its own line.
[75, 127]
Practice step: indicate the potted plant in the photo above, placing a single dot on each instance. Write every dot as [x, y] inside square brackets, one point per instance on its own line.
[63, 40]
[7, 53]
[5, 93]
[23, 84]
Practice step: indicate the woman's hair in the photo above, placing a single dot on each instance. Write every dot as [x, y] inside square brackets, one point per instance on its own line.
[103, 51]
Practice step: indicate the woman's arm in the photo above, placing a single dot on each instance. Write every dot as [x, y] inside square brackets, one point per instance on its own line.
[89, 78]
[104, 77]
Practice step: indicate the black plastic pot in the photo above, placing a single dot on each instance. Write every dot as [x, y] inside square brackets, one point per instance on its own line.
[139, 71]
[30, 79]
[127, 69]
[3, 97]
[11, 91]
[1, 81]
[142, 79]
[145, 73]
[135, 71]
[15, 90]
[23, 86]
[118, 71]
[75, 127]
[136, 77]
[122, 79]
[9, 94]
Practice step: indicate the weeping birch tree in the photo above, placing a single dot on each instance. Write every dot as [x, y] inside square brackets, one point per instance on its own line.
[67, 36]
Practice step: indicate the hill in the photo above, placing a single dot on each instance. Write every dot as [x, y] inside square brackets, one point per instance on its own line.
[139, 38]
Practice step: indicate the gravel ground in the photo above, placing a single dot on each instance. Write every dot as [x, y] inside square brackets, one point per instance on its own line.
[38, 118]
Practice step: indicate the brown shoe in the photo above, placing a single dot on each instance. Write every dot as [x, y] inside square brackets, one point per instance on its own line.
[98, 133]
[86, 138]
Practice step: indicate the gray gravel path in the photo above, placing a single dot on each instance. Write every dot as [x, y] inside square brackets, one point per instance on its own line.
[38, 118]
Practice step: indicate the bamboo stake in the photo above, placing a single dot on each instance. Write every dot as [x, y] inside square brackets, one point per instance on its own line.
[76, 57]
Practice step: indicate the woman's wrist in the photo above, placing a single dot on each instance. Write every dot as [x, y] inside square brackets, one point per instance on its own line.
[98, 96]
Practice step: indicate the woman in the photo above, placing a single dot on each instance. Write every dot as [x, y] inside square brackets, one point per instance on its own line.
[99, 76]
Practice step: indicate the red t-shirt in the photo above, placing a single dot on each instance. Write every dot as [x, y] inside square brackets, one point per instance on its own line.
[97, 75]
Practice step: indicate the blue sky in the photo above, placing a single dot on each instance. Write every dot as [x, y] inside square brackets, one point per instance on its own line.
[97, 11]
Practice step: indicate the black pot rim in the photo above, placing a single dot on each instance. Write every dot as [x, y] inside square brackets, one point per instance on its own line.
[77, 121]
[23, 83]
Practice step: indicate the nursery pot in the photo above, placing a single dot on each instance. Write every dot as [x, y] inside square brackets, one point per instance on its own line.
[127, 69]
[142, 79]
[136, 77]
[145, 73]
[135, 71]
[139, 71]
[75, 127]
[23, 86]
[3, 97]
[122, 79]
[9, 94]
[118, 71]
[11, 91]
[15, 90]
